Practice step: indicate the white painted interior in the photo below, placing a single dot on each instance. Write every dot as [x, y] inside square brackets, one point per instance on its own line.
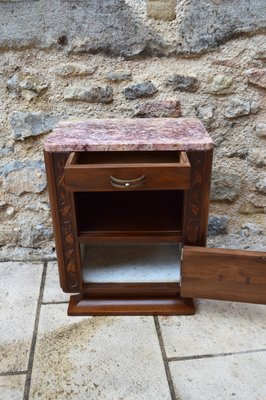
[131, 263]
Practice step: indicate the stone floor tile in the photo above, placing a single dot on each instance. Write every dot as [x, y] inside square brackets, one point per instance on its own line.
[52, 290]
[235, 377]
[12, 387]
[107, 358]
[19, 292]
[217, 327]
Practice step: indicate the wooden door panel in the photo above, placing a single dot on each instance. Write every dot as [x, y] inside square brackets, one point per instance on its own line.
[223, 274]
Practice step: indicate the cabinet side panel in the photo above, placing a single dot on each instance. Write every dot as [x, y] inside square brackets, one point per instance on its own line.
[196, 203]
[63, 222]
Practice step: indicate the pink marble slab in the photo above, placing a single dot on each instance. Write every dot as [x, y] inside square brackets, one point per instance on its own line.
[126, 134]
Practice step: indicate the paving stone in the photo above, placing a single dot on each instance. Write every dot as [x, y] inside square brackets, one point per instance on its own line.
[19, 291]
[52, 290]
[12, 387]
[217, 327]
[237, 377]
[107, 358]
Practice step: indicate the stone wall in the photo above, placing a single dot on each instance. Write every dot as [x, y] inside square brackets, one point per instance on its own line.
[131, 58]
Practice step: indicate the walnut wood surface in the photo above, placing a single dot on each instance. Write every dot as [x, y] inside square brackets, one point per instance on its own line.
[197, 198]
[83, 305]
[97, 177]
[63, 215]
[127, 290]
[104, 214]
[234, 275]
[169, 217]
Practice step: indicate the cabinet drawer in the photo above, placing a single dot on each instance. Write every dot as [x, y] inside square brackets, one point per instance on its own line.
[108, 171]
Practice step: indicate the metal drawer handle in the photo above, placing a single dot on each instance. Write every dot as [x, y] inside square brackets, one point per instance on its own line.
[126, 183]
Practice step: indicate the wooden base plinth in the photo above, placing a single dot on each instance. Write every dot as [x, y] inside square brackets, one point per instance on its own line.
[84, 305]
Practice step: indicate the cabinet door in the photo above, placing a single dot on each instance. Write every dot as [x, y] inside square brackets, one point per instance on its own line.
[222, 274]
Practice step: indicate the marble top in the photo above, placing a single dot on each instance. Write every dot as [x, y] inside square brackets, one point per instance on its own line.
[127, 134]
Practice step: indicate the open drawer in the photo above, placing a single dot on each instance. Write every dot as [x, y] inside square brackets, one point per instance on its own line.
[108, 171]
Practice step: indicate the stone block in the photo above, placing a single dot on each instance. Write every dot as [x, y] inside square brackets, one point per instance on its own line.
[26, 124]
[67, 70]
[218, 225]
[23, 177]
[261, 185]
[238, 107]
[182, 83]
[26, 85]
[225, 186]
[220, 84]
[90, 94]
[114, 27]
[159, 109]
[139, 90]
[207, 24]
[119, 75]
[161, 9]
[257, 77]
[260, 129]
[247, 208]
[205, 113]
[257, 157]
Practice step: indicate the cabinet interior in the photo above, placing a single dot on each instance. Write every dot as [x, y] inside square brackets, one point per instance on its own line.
[157, 212]
[128, 157]
[134, 263]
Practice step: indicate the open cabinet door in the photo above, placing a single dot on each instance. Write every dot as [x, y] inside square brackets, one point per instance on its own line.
[222, 274]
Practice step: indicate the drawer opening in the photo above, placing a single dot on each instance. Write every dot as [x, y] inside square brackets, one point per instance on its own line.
[122, 263]
[116, 171]
[125, 157]
[139, 213]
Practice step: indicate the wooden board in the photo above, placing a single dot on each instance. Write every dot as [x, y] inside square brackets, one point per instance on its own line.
[84, 305]
[234, 275]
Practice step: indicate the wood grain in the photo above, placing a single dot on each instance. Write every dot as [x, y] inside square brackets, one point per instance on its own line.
[82, 177]
[83, 305]
[222, 274]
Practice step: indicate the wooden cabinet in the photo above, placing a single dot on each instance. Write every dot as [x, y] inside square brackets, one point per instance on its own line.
[130, 225]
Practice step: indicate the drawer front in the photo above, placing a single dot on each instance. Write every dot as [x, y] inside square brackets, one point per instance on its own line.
[136, 176]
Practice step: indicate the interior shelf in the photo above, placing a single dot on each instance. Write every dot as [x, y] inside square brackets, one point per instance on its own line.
[139, 213]
[146, 263]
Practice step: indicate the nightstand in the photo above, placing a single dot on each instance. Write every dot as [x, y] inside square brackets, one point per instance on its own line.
[129, 201]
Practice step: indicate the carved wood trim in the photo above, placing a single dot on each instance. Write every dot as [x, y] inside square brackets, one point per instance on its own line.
[66, 224]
